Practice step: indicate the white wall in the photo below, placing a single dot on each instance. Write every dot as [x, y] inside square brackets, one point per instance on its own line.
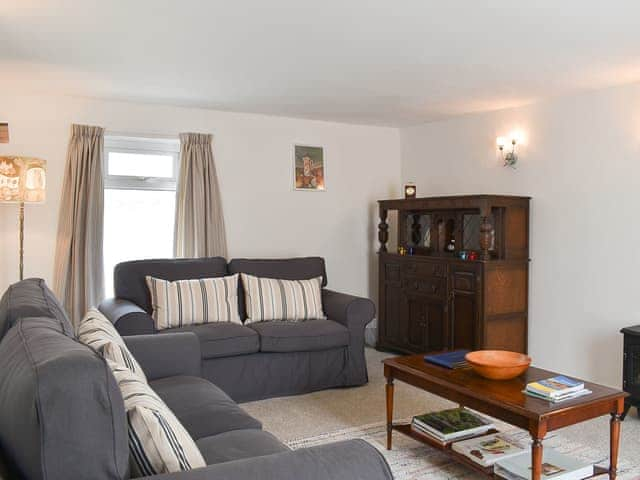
[581, 165]
[264, 217]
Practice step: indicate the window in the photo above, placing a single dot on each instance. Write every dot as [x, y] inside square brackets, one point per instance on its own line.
[139, 200]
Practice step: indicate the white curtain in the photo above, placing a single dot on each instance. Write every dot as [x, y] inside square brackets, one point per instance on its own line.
[199, 223]
[78, 274]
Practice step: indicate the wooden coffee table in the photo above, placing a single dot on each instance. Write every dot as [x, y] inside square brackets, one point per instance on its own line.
[505, 401]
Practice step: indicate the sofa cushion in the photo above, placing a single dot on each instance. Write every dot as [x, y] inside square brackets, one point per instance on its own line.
[203, 408]
[194, 301]
[239, 444]
[269, 299]
[158, 442]
[32, 298]
[302, 268]
[61, 412]
[301, 336]
[129, 277]
[223, 339]
[96, 331]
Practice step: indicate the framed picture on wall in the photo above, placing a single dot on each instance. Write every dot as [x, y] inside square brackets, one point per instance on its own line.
[309, 170]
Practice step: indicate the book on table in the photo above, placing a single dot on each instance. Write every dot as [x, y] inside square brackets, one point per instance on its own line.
[563, 398]
[555, 387]
[451, 424]
[555, 466]
[488, 449]
[451, 360]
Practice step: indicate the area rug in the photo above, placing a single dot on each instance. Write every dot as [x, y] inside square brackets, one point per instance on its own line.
[411, 460]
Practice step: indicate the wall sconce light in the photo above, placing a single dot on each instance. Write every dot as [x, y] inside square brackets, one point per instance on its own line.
[510, 158]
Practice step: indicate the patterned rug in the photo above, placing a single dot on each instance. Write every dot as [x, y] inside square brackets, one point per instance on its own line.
[412, 460]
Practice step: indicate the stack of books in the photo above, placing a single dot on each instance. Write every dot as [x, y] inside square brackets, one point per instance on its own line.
[446, 426]
[557, 389]
[554, 465]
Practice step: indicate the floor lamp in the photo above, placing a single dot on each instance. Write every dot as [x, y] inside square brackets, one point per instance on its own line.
[22, 180]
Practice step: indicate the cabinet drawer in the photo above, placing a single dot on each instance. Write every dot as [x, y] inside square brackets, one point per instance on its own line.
[432, 286]
[424, 269]
[463, 281]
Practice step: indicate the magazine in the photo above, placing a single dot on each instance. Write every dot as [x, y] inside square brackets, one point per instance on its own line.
[489, 449]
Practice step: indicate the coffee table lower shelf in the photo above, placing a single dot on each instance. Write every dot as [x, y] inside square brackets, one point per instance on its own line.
[405, 428]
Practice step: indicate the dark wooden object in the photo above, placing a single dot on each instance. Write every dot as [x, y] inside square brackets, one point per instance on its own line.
[631, 368]
[505, 401]
[433, 300]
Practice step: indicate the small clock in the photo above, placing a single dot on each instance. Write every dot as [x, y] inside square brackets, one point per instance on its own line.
[410, 190]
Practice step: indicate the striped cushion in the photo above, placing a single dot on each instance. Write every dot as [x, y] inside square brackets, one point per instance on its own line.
[290, 300]
[96, 331]
[95, 326]
[158, 443]
[192, 302]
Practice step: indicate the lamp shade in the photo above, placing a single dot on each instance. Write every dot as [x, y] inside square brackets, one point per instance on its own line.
[22, 179]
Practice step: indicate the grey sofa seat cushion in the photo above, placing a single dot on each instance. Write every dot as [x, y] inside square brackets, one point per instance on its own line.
[239, 444]
[203, 408]
[222, 339]
[61, 411]
[311, 335]
[129, 277]
[32, 298]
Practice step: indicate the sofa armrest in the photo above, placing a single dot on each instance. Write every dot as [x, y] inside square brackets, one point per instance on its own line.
[353, 460]
[167, 354]
[127, 317]
[352, 312]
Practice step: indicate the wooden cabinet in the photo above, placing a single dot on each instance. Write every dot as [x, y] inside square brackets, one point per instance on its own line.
[434, 299]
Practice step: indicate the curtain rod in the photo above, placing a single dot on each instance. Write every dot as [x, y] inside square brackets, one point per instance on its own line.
[163, 136]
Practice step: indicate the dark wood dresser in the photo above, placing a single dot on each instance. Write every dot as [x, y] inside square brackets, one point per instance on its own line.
[462, 278]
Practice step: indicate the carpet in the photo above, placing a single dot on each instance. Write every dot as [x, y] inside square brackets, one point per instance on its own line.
[411, 460]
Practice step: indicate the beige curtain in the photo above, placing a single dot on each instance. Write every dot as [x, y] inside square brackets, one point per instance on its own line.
[78, 274]
[199, 224]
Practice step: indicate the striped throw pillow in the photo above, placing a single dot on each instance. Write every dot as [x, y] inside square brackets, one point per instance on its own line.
[192, 302]
[289, 300]
[158, 443]
[95, 326]
[97, 332]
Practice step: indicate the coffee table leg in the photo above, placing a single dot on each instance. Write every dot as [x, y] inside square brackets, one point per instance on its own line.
[615, 440]
[536, 459]
[389, 392]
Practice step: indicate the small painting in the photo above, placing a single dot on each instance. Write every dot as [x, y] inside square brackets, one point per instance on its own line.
[309, 168]
[4, 132]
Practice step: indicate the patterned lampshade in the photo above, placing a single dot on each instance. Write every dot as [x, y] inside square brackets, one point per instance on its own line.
[22, 179]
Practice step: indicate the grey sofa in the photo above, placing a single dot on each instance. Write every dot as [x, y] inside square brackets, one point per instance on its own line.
[62, 415]
[258, 360]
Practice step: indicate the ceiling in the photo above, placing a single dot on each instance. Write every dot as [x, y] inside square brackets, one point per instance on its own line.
[395, 63]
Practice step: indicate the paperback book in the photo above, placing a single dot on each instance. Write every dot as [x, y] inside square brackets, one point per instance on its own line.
[555, 466]
[489, 449]
[452, 424]
[564, 398]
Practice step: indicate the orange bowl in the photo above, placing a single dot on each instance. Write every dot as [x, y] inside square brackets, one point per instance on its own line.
[498, 364]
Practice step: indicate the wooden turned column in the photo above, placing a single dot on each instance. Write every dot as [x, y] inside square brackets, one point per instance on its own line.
[383, 231]
[485, 238]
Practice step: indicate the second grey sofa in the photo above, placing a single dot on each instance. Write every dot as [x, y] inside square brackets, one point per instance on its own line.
[257, 360]
[62, 415]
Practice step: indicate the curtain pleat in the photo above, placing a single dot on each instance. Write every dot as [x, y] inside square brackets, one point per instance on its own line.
[199, 222]
[78, 270]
